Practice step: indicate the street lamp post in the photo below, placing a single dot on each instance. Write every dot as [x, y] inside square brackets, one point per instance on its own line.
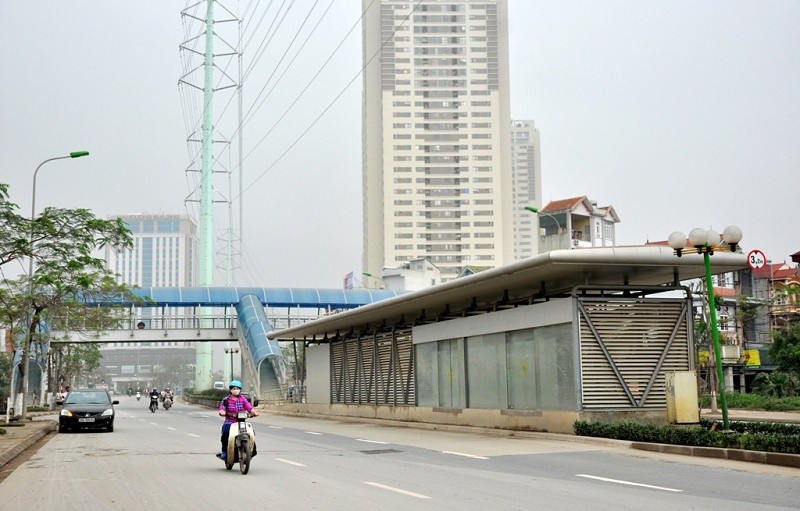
[706, 243]
[367, 274]
[23, 372]
[538, 212]
[231, 351]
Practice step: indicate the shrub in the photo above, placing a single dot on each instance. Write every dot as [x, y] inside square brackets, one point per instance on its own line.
[749, 436]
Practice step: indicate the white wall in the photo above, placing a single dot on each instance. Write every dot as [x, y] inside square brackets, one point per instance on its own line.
[318, 374]
[529, 316]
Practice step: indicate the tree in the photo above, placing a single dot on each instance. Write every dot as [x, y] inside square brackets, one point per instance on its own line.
[14, 241]
[67, 275]
[785, 352]
[5, 371]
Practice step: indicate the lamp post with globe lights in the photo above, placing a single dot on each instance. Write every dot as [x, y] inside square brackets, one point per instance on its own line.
[706, 242]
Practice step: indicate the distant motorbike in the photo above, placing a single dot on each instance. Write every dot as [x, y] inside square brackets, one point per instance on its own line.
[241, 443]
[153, 403]
[167, 403]
[138, 396]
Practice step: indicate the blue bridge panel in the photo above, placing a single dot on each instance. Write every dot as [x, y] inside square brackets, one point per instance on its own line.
[269, 297]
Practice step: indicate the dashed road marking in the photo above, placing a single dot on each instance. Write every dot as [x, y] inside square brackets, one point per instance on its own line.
[398, 490]
[313, 433]
[192, 434]
[290, 462]
[465, 455]
[371, 441]
[628, 483]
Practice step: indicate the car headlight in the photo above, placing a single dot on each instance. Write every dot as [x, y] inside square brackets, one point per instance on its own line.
[66, 413]
[108, 412]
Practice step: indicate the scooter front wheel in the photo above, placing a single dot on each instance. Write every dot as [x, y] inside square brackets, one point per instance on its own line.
[244, 457]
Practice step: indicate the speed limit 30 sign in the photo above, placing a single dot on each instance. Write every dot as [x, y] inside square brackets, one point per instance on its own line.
[756, 259]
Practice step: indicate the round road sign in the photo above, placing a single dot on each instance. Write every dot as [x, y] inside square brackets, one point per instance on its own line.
[756, 259]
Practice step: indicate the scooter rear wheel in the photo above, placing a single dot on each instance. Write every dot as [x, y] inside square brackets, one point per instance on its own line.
[244, 457]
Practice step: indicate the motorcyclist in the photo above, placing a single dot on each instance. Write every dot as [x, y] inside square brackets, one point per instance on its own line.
[167, 394]
[228, 407]
[154, 393]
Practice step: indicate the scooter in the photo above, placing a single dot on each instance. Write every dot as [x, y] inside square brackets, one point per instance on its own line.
[167, 403]
[153, 403]
[138, 396]
[242, 444]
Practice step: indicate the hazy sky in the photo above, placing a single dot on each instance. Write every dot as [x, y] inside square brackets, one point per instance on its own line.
[679, 114]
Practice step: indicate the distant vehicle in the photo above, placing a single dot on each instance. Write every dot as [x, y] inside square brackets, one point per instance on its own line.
[87, 409]
[219, 385]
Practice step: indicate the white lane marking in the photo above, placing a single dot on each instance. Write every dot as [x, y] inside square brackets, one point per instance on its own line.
[398, 490]
[154, 424]
[465, 455]
[192, 434]
[276, 427]
[371, 441]
[173, 429]
[313, 433]
[290, 462]
[629, 483]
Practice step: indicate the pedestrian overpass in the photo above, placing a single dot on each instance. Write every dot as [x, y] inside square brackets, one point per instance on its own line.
[244, 315]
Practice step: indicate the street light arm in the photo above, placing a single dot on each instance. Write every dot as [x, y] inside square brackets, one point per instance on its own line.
[539, 212]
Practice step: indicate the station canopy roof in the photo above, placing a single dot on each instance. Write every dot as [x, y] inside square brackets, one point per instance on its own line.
[549, 275]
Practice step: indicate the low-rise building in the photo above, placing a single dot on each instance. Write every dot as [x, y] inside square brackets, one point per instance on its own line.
[576, 222]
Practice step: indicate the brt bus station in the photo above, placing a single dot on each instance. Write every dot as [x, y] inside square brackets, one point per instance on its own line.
[567, 335]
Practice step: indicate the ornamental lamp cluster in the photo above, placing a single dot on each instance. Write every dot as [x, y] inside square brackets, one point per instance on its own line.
[706, 241]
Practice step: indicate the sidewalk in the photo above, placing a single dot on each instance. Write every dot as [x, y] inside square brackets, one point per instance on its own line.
[737, 414]
[19, 438]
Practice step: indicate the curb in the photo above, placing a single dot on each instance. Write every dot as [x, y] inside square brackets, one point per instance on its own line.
[767, 458]
[45, 428]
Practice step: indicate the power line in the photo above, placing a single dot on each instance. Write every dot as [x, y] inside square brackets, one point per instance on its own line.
[335, 99]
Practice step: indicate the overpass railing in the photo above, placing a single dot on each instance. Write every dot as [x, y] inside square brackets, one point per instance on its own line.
[226, 322]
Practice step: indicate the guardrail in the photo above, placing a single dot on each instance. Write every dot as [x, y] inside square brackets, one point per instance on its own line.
[152, 323]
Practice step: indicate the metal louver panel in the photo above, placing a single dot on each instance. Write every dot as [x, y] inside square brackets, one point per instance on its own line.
[627, 346]
[337, 381]
[373, 370]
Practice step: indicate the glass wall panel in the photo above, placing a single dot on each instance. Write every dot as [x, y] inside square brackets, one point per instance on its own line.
[427, 374]
[486, 371]
[451, 373]
[521, 367]
[555, 365]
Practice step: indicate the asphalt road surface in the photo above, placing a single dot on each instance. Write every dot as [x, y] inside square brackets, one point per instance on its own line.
[165, 460]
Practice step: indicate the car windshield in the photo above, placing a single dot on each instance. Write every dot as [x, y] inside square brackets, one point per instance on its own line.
[87, 398]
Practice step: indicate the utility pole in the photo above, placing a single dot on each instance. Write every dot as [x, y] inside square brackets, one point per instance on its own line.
[204, 193]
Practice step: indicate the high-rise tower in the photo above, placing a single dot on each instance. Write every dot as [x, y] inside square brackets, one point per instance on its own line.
[437, 178]
[526, 174]
[164, 252]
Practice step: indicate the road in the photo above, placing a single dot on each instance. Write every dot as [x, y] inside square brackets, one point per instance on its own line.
[166, 461]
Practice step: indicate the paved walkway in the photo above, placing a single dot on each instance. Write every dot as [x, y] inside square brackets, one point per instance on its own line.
[737, 414]
[19, 438]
